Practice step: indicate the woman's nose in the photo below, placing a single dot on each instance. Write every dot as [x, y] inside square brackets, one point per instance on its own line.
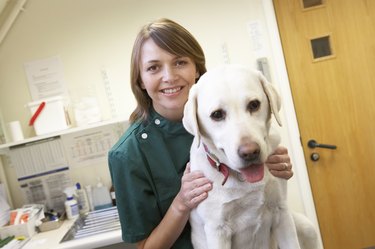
[169, 74]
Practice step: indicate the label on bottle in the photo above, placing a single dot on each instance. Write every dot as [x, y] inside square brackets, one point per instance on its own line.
[83, 204]
[71, 209]
[75, 209]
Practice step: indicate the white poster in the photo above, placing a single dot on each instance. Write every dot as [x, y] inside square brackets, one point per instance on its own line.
[38, 157]
[47, 188]
[46, 78]
[91, 145]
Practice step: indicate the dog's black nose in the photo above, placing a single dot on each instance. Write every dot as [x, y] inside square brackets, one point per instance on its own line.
[249, 152]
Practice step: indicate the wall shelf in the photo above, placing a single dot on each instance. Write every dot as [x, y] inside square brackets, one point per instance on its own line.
[4, 148]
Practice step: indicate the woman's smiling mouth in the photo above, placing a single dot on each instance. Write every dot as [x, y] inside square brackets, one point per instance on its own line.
[171, 90]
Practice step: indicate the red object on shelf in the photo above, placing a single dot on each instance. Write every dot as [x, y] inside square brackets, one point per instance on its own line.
[36, 114]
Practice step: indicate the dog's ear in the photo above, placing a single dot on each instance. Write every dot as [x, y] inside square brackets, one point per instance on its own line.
[273, 96]
[190, 118]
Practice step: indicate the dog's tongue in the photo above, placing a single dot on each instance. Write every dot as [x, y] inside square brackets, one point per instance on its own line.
[253, 173]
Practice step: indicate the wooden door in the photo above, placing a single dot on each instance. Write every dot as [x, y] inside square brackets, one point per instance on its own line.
[329, 49]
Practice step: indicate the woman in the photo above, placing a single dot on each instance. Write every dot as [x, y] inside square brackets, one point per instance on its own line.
[155, 190]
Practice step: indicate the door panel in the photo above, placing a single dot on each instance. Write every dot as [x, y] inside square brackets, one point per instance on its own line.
[334, 102]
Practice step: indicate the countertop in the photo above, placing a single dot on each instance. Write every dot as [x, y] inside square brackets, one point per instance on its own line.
[51, 239]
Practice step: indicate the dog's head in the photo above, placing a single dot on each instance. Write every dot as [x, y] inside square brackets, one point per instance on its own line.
[230, 110]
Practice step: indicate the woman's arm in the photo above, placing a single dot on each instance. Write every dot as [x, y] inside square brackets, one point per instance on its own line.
[194, 188]
[279, 163]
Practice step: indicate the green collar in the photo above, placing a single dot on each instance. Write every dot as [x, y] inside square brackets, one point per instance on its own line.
[165, 124]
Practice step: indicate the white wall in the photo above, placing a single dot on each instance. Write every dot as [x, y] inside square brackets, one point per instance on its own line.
[91, 35]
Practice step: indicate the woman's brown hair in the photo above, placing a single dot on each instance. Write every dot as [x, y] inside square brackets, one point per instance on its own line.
[171, 37]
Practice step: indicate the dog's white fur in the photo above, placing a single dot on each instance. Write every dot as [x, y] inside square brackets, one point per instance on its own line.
[222, 113]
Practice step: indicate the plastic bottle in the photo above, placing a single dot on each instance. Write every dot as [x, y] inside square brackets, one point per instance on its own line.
[101, 197]
[83, 202]
[88, 189]
[71, 205]
[113, 195]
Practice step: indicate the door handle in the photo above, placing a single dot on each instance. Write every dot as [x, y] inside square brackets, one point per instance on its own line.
[313, 144]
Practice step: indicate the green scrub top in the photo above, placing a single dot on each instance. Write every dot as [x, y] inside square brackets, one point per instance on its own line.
[146, 167]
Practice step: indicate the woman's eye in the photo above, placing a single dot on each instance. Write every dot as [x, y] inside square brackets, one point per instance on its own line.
[152, 68]
[218, 115]
[181, 63]
[253, 106]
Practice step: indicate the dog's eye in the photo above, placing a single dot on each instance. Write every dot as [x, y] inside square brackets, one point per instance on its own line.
[253, 105]
[218, 115]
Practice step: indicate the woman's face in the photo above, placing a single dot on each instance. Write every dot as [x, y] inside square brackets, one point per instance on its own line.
[167, 78]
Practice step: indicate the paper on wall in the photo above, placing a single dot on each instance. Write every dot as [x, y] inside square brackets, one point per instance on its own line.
[35, 158]
[47, 189]
[91, 146]
[42, 172]
[43, 167]
[46, 78]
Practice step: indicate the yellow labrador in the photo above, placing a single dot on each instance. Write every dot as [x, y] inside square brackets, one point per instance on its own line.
[229, 111]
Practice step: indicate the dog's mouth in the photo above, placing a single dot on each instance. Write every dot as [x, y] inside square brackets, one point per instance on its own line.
[253, 173]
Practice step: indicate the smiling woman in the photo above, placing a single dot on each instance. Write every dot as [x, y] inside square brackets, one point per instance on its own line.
[176, 75]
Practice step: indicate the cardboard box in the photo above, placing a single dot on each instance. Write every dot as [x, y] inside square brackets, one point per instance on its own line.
[53, 116]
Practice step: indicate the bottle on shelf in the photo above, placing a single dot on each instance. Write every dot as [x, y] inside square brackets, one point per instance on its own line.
[88, 189]
[71, 205]
[100, 196]
[113, 195]
[83, 202]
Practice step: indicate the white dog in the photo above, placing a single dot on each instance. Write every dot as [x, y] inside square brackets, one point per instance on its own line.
[229, 112]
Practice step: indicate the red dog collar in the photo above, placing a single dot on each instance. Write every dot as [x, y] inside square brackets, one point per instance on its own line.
[221, 167]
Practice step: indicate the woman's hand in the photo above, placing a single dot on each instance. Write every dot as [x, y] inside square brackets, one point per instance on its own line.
[194, 189]
[279, 163]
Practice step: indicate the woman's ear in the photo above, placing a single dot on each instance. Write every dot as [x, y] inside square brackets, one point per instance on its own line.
[197, 75]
